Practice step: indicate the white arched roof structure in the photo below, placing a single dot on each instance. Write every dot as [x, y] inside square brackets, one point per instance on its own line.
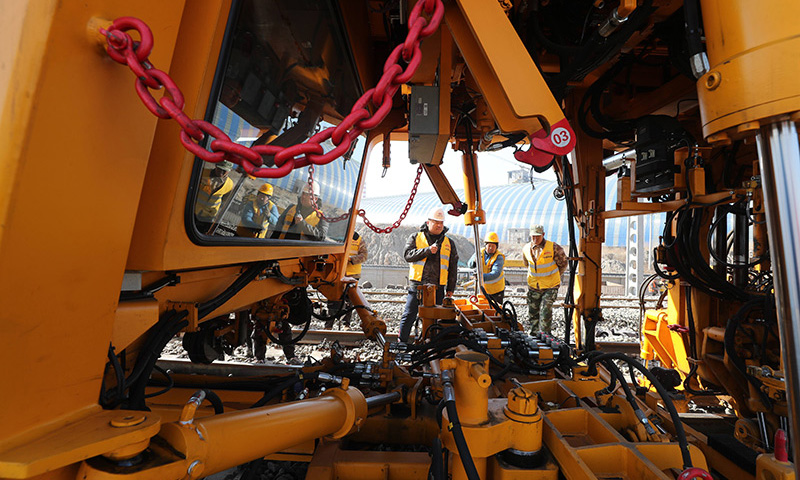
[508, 208]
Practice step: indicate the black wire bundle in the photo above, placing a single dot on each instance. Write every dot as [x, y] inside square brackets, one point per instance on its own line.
[687, 382]
[567, 184]
[596, 357]
[129, 391]
[581, 60]
[248, 276]
[763, 304]
[507, 311]
[685, 256]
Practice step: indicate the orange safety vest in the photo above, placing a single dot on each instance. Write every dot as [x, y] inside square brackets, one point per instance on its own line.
[543, 272]
[415, 268]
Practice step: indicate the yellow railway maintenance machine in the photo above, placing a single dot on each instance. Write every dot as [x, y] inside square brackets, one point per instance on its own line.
[137, 138]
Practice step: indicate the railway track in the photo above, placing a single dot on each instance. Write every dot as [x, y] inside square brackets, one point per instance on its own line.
[374, 297]
[356, 338]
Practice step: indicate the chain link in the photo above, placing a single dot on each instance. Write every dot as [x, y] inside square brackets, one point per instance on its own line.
[123, 49]
[314, 200]
[363, 214]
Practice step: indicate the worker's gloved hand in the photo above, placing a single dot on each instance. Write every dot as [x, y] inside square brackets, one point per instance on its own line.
[434, 249]
[298, 218]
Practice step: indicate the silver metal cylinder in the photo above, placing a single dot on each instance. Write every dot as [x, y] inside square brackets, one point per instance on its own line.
[779, 157]
[478, 260]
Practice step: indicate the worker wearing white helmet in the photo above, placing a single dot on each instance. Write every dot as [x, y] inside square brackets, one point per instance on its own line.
[433, 260]
[494, 281]
[546, 261]
[302, 221]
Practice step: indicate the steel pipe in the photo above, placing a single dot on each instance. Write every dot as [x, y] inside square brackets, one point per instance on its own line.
[779, 157]
[383, 399]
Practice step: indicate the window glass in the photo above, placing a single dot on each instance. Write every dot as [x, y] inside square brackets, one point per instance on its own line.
[287, 76]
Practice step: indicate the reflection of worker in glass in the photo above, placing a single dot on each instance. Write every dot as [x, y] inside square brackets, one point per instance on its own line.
[546, 261]
[301, 221]
[357, 256]
[494, 281]
[434, 260]
[258, 213]
[215, 186]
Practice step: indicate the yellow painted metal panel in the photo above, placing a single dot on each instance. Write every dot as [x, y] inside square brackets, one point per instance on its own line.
[88, 134]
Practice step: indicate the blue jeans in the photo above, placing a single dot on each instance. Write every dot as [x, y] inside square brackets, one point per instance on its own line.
[409, 317]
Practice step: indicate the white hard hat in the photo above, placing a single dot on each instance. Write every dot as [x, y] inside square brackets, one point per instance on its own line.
[437, 214]
[308, 188]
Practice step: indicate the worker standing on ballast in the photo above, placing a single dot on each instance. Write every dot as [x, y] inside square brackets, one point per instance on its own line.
[492, 262]
[546, 261]
[434, 260]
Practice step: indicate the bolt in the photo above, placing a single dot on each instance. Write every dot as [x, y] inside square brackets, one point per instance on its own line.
[195, 469]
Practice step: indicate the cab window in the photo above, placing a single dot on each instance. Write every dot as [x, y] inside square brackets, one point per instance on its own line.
[280, 82]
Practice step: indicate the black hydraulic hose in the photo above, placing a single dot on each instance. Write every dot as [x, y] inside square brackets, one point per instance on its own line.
[511, 312]
[662, 392]
[535, 29]
[729, 342]
[691, 16]
[214, 400]
[693, 349]
[455, 427]
[507, 316]
[599, 50]
[436, 470]
[148, 291]
[172, 323]
[617, 373]
[119, 373]
[569, 299]
[275, 391]
[292, 340]
[461, 441]
[167, 388]
[690, 321]
[661, 273]
[612, 385]
[709, 244]
[246, 277]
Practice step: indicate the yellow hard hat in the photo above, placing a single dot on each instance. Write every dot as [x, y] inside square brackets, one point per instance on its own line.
[266, 189]
[491, 237]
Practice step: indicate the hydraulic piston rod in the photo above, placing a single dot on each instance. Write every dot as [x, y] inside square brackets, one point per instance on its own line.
[779, 155]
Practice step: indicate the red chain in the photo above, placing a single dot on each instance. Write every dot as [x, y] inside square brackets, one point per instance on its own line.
[124, 50]
[314, 200]
[403, 215]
